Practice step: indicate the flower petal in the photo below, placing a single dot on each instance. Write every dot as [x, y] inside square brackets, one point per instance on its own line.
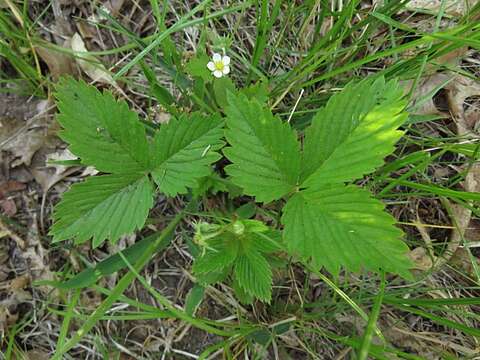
[226, 60]
[211, 66]
[217, 74]
[216, 57]
[226, 70]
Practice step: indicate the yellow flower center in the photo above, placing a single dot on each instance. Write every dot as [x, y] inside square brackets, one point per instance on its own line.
[219, 65]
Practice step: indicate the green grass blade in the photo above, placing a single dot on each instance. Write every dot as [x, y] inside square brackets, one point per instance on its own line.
[372, 320]
[67, 316]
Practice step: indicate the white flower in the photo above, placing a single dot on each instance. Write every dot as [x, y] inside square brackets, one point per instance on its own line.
[219, 66]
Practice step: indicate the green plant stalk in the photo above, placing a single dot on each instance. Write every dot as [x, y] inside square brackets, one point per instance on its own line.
[123, 284]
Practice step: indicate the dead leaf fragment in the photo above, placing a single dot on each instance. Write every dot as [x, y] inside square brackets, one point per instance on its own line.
[26, 129]
[10, 186]
[88, 63]
[423, 98]
[36, 355]
[8, 207]
[421, 259]
[58, 63]
[114, 6]
[60, 155]
[47, 174]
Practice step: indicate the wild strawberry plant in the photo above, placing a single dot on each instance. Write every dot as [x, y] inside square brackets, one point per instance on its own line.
[326, 220]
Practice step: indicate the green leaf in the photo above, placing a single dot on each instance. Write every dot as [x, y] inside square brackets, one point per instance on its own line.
[102, 131]
[184, 149]
[254, 275]
[343, 226]
[221, 87]
[241, 294]
[221, 252]
[263, 150]
[268, 242]
[262, 337]
[197, 66]
[194, 299]
[214, 184]
[246, 211]
[213, 277]
[258, 91]
[103, 207]
[163, 96]
[353, 133]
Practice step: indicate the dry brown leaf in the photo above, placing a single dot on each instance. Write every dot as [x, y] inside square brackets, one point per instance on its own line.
[459, 90]
[9, 207]
[37, 257]
[472, 233]
[8, 307]
[461, 260]
[88, 63]
[114, 6]
[426, 87]
[421, 259]
[10, 186]
[36, 355]
[48, 175]
[58, 63]
[26, 129]
[20, 282]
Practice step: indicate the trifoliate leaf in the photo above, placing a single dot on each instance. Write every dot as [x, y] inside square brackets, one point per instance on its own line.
[184, 149]
[343, 226]
[103, 207]
[102, 131]
[264, 150]
[353, 133]
[254, 275]
[241, 245]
